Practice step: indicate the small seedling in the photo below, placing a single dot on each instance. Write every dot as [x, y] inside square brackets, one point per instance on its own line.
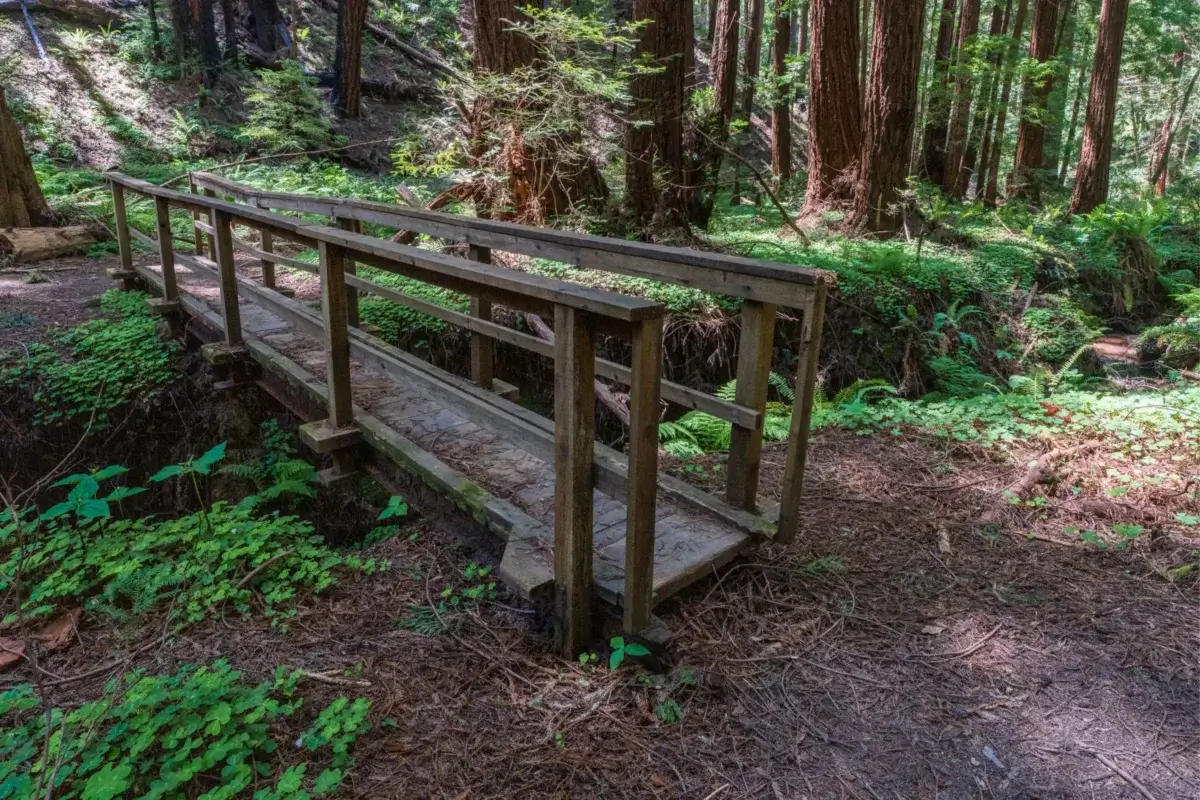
[669, 712]
[396, 507]
[621, 649]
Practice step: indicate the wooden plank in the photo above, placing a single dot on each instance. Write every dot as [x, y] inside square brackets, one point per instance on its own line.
[223, 246]
[806, 384]
[482, 356]
[126, 249]
[166, 249]
[337, 336]
[197, 238]
[354, 226]
[642, 482]
[574, 452]
[753, 371]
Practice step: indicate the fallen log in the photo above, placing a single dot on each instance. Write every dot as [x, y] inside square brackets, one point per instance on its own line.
[604, 395]
[1044, 466]
[37, 244]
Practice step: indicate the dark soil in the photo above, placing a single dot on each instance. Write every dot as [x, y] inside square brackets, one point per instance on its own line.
[915, 643]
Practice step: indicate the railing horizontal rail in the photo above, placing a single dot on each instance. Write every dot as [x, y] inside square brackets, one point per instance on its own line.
[724, 274]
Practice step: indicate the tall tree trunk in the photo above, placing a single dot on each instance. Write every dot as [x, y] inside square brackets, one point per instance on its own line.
[956, 139]
[981, 127]
[1031, 133]
[180, 22]
[267, 17]
[1010, 57]
[202, 23]
[1069, 144]
[1161, 175]
[347, 64]
[937, 99]
[152, 12]
[230, 21]
[712, 21]
[781, 108]
[756, 11]
[1056, 105]
[834, 111]
[713, 134]
[659, 99]
[21, 202]
[1095, 155]
[891, 115]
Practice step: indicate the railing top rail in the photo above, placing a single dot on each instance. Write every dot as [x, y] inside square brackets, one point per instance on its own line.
[474, 275]
[734, 275]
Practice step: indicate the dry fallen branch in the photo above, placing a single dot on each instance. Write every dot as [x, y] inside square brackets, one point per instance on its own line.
[606, 396]
[1044, 466]
[1120, 772]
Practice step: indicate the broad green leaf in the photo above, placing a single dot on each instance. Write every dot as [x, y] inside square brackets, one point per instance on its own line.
[635, 649]
[1187, 519]
[56, 511]
[167, 472]
[70, 480]
[123, 492]
[208, 459]
[84, 490]
[93, 509]
[291, 780]
[327, 781]
[109, 472]
[615, 659]
[111, 781]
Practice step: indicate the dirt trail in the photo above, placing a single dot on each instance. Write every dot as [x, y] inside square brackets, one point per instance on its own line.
[915, 643]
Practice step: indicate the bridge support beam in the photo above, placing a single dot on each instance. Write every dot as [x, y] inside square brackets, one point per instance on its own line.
[806, 384]
[753, 374]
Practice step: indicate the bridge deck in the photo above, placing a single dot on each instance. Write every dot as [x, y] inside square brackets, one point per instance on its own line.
[689, 543]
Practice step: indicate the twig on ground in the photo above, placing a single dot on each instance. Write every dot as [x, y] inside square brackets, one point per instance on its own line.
[1042, 467]
[968, 651]
[326, 677]
[254, 572]
[1120, 772]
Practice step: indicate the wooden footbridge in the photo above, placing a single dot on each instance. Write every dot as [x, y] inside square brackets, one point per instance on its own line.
[575, 515]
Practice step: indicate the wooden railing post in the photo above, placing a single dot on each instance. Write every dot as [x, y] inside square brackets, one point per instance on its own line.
[641, 495]
[806, 385]
[125, 272]
[197, 234]
[353, 226]
[335, 435]
[222, 246]
[753, 380]
[267, 242]
[166, 250]
[482, 358]
[212, 221]
[574, 453]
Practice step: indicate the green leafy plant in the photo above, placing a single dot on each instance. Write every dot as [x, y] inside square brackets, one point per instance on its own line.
[200, 731]
[286, 112]
[622, 649]
[396, 508]
[90, 371]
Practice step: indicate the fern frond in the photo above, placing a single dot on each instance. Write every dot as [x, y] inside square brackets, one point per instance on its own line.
[856, 391]
[728, 392]
[246, 472]
[783, 386]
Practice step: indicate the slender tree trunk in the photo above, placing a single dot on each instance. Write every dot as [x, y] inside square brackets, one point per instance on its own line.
[756, 11]
[1161, 176]
[1031, 133]
[834, 113]
[152, 12]
[180, 19]
[21, 202]
[230, 21]
[993, 167]
[802, 50]
[659, 99]
[781, 108]
[1095, 155]
[1056, 105]
[980, 141]
[347, 65]
[712, 21]
[266, 22]
[1076, 104]
[937, 100]
[891, 112]
[713, 134]
[956, 141]
[210, 50]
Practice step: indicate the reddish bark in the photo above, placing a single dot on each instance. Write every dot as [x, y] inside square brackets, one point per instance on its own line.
[1095, 155]
[347, 64]
[781, 111]
[981, 127]
[835, 114]
[22, 204]
[659, 99]
[1031, 133]
[756, 11]
[891, 112]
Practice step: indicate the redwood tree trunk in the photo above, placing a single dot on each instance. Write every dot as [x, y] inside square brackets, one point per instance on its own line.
[659, 99]
[993, 167]
[891, 115]
[1076, 104]
[21, 202]
[1031, 134]
[937, 118]
[713, 134]
[978, 142]
[834, 111]
[230, 21]
[1095, 155]
[781, 110]
[266, 22]
[1161, 175]
[956, 140]
[203, 22]
[347, 65]
[756, 12]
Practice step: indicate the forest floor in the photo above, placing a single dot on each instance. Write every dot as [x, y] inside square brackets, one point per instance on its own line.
[924, 638]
